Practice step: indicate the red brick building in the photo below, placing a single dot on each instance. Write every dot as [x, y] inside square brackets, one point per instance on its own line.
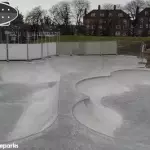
[107, 22]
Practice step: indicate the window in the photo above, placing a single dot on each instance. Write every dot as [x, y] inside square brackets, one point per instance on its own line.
[124, 34]
[100, 21]
[141, 19]
[139, 31]
[117, 33]
[146, 13]
[92, 14]
[120, 14]
[101, 14]
[87, 26]
[125, 26]
[117, 26]
[141, 26]
[100, 27]
[146, 25]
[110, 15]
[124, 21]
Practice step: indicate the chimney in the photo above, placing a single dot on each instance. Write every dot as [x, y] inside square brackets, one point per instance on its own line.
[114, 7]
[85, 11]
[99, 7]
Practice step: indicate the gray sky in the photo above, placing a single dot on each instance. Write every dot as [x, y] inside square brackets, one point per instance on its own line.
[27, 5]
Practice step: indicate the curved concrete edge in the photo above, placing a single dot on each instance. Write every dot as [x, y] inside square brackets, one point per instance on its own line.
[39, 115]
[87, 101]
[41, 109]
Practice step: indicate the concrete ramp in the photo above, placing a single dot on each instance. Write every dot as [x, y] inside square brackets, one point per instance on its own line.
[113, 108]
[28, 99]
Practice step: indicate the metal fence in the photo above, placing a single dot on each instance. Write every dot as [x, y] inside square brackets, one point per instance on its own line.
[28, 45]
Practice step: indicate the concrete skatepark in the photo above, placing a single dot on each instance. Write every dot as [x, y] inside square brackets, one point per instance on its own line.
[76, 103]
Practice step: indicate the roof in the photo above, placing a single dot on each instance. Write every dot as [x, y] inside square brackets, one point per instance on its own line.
[143, 11]
[106, 12]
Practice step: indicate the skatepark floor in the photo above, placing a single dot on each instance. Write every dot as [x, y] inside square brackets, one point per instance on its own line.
[68, 132]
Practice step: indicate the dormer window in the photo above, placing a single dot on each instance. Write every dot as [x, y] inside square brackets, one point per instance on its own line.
[110, 14]
[120, 15]
[101, 14]
[92, 14]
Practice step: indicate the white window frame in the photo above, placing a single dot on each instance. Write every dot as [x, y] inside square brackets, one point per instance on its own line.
[117, 33]
[141, 26]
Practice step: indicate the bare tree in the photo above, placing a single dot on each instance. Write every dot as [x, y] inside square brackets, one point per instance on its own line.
[78, 10]
[131, 7]
[110, 6]
[147, 3]
[60, 13]
[35, 17]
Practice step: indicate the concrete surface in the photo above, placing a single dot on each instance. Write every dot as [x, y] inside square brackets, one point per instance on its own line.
[28, 99]
[100, 118]
[67, 133]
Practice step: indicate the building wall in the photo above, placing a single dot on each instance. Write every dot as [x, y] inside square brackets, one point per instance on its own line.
[96, 24]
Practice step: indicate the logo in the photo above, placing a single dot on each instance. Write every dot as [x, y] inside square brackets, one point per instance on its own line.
[7, 14]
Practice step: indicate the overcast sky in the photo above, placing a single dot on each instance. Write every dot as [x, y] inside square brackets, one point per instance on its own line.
[27, 5]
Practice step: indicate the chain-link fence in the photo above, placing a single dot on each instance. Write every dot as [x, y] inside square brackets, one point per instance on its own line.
[28, 45]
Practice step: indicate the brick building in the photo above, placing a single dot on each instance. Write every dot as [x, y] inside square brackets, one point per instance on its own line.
[143, 23]
[107, 22]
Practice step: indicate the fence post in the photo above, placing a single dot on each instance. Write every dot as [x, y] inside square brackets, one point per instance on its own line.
[57, 54]
[27, 46]
[34, 37]
[41, 48]
[7, 50]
